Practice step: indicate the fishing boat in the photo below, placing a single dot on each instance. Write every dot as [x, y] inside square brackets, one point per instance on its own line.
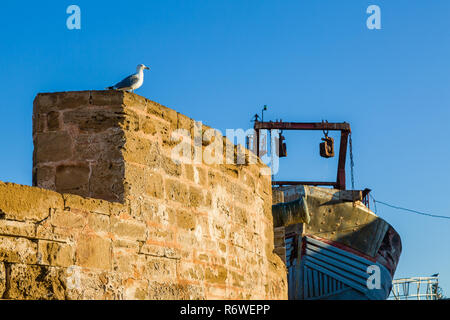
[334, 246]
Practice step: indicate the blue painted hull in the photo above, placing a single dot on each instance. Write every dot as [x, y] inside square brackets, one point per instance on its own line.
[326, 272]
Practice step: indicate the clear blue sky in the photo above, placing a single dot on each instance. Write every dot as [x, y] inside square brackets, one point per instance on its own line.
[220, 61]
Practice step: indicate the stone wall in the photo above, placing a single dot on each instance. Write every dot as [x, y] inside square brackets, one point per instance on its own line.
[157, 228]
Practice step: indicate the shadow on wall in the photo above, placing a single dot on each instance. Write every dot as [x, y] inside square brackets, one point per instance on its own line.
[79, 141]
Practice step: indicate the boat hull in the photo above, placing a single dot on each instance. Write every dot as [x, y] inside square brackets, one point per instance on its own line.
[326, 272]
[332, 245]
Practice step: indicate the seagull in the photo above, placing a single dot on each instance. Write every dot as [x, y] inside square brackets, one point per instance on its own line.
[132, 82]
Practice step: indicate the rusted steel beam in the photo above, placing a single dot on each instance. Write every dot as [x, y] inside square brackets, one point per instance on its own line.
[340, 181]
[302, 126]
[344, 127]
[257, 143]
[307, 183]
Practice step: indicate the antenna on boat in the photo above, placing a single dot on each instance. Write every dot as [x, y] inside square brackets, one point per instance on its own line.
[262, 112]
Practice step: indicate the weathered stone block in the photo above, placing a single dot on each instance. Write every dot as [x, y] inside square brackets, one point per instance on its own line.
[48, 232]
[55, 253]
[147, 125]
[89, 120]
[237, 279]
[74, 202]
[191, 240]
[202, 176]
[162, 112]
[124, 262]
[176, 191]
[107, 180]
[171, 167]
[129, 245]
[35, 282]
[44, 103]
[189, 172]
[39, 123]
[52, 146]
[195, 196]
[2, 279]
[184, 122]
[217, 291]
[158, 213]
[215, 178]
[186, 219]
[138, 150]
[191, 271]
[73, 179]
[230, 170]
[87, 148]
[135, 289]
[74, 99]
[32, 204]
[67, 219]
[107, 98]
[105, 146]
[53, 121]
[158, 268]
[93, 284]
[248, 180]
[241, 215]
[118, 209]
[163, 133]
[45, 177]
[158, 234]
[99, 222]
[169, 291]
[155, 108]
[159, 251]
[17, 228]
[135, 101]
[136, 180]
[155, 185]
[93, 252]
[130, 229]
[19, 250]
[131, 121]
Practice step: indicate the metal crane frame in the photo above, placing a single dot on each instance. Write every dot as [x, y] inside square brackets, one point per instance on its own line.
[343, 127]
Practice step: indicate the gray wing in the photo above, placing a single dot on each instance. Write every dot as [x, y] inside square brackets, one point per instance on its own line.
[127, 82]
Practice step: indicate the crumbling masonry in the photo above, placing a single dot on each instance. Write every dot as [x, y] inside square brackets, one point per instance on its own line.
[112, 216]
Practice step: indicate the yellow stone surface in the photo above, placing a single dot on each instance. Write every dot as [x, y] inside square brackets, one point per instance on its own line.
[136, 224]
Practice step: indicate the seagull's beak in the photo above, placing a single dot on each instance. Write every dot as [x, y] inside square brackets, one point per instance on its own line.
[147, 68]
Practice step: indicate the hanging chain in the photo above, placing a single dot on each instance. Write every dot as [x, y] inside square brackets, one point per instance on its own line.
[325, 132]
[352, 164]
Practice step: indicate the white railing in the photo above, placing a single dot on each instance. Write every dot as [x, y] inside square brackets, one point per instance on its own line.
[417, 288]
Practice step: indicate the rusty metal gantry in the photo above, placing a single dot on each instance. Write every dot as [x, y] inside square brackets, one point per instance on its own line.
[343, 127]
